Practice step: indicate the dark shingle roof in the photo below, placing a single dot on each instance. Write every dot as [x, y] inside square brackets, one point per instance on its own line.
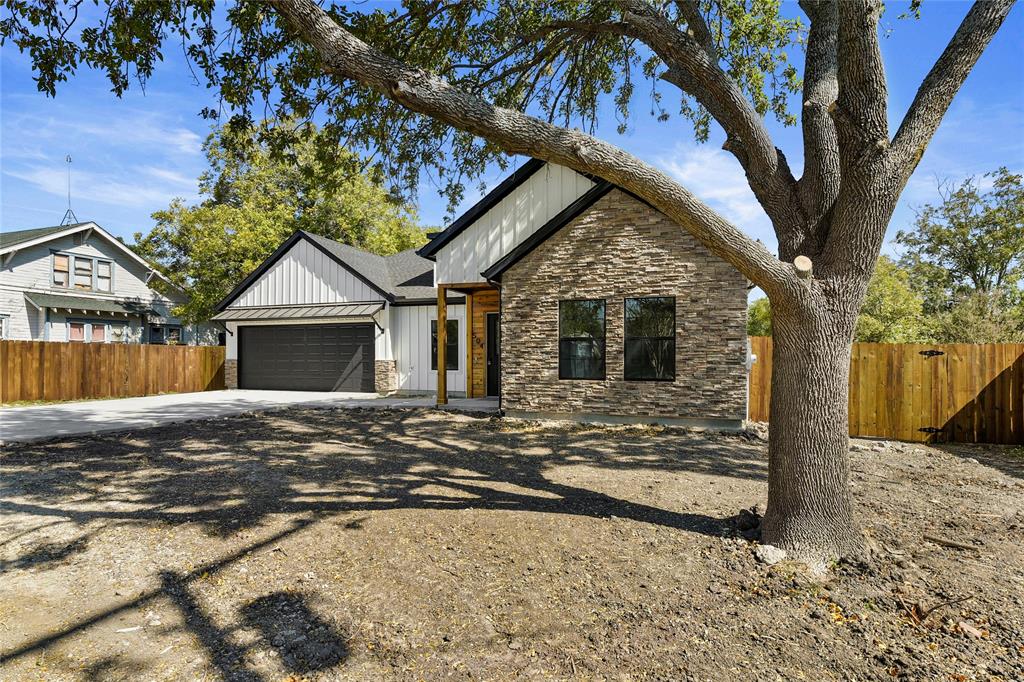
[405, 275]
[9, 239]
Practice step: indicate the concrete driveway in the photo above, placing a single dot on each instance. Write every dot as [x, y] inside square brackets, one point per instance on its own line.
[25, 424]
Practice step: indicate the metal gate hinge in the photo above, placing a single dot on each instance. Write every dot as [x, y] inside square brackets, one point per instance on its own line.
[931, 353]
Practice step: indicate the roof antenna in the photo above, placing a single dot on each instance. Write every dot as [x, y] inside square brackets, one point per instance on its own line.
[69, 216]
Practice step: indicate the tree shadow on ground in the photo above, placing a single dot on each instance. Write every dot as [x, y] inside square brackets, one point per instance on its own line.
[1008, 459]
[231, 475]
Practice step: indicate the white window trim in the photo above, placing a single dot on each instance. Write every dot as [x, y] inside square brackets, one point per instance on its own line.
[88, 324]
[72, 257]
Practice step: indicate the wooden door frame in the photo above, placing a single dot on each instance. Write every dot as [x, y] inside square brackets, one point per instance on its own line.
[487, 340]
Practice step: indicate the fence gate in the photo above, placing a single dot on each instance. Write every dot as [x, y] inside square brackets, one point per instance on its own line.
[971, 393]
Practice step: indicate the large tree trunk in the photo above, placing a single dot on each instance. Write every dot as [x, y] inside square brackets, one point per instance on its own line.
[810, 511]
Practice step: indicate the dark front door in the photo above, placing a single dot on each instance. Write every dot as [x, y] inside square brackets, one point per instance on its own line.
[493, 354]
[312, 357]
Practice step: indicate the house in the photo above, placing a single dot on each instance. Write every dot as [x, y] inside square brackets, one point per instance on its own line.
[564, 295]
[80, 283]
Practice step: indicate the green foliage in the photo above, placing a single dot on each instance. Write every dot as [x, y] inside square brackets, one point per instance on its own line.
[982, 318]
[759, 318]
[892, 311]
[539, 56]
[252, 202]
[966, 256]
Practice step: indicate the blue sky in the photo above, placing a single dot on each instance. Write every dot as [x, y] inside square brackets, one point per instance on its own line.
[131, 156]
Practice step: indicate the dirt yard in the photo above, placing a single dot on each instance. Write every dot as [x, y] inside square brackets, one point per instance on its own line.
[418, 545]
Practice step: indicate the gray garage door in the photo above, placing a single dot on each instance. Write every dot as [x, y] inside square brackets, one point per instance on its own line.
[314, 357]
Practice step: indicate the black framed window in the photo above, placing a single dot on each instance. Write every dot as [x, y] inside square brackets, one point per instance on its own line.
[650, 339]
[581, 331]
[451, 352]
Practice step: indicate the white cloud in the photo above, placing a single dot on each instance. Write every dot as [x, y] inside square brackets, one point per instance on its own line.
[718, 180]
[106, 188]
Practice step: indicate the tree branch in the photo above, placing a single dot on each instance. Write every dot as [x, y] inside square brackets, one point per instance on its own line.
[698, 26]
[944, 80]
[692, 69]
[346, 56]
[860, 112]
[819, 184]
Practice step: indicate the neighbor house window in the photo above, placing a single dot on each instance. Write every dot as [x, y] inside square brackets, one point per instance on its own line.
[5, 326]
[88, 332]
[83, 273]
[165, 334]
[104, 275]
[581, 331]
[650, 339]
[61, 270]
[451, 346]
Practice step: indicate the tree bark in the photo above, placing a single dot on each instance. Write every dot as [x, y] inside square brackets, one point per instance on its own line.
[810, 510]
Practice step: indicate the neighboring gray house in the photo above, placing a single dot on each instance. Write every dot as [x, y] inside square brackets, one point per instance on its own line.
[79, 283]
[582, 301]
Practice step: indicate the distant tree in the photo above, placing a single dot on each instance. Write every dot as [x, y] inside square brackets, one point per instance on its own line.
[892, 310]
[759, 318]
[982, 318]
[252, 200]
[966, 256]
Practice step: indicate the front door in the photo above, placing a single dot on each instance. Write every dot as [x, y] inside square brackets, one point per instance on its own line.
[493, 354]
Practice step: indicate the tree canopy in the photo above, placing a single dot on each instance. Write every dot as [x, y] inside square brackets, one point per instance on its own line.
[965, 255]
[252, 200]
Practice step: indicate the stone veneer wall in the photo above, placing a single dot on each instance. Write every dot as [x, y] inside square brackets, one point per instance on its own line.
[231, 374]
[622, 248]
[385, 376]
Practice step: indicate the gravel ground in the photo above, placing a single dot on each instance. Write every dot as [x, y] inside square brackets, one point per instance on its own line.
[414, 544]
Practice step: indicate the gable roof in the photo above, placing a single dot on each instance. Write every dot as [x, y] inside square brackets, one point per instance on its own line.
[23, 239]
[564, 217]
[10, 239]
[399, 277]
[506, 187]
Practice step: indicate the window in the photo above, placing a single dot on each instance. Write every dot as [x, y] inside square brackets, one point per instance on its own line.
[581, 331]
[451, 350]
[83, 273]
[88, 332]
[650, 343]
[118, 333]
[5, 326]
[60, 270]
[104, 275]
[164, 334]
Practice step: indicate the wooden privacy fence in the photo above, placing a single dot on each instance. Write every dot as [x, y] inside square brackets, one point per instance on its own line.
[42, 370]
[958, 392]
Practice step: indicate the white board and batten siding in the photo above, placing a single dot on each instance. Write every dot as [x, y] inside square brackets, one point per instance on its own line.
[527, 208]
[305, 275]
[410, 333]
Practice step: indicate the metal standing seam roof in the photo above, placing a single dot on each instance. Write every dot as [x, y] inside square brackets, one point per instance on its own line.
[100, 305]
[300, 312]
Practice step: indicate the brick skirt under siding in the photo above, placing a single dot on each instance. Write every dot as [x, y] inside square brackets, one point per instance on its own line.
[622, 248]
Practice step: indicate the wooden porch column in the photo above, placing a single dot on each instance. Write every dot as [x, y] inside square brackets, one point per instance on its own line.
[469, 345]
[442, 341]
